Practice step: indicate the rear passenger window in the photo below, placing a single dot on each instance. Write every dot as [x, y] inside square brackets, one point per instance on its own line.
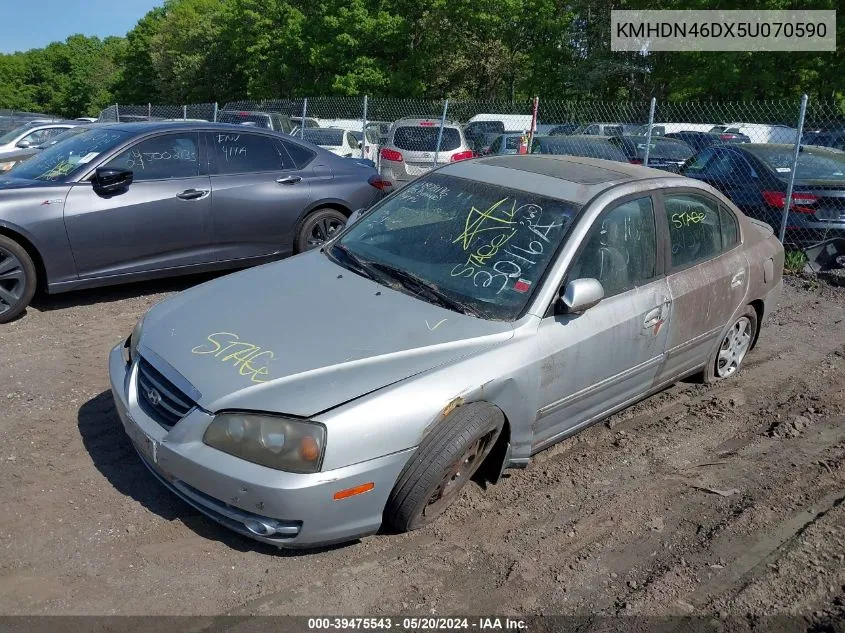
[300, 155]
[237, 153]
[694, 228]
[730, 232]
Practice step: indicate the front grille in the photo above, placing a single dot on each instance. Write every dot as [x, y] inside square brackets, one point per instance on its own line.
[159, 398]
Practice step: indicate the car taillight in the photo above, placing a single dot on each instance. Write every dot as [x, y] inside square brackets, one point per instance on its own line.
[799, 200]
[391, 154]
[427, 123]
[461, 156]
[636, 161]
[379, 183]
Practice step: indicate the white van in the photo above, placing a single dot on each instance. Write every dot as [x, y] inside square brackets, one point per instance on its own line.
[764, 133]
[512, 122]
[659, 129]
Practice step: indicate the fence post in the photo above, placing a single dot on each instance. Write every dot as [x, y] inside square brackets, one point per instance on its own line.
[364, 129]
[440, 132]
[650, 127]
[788, 202]
[215, 112]
[533, 123]
[117, 113]
[149, 112]
[184, 112]
[304, 112]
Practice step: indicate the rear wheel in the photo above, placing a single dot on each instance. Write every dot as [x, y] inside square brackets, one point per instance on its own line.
[733, 348]
[318, 227]
[443, 464]
[17, 279]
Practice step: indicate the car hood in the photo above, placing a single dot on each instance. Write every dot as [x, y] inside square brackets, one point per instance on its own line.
[20, 183]
[18, 154]
[304, 335]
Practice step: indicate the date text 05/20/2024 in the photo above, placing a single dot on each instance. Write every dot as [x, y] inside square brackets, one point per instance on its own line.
[417, 624]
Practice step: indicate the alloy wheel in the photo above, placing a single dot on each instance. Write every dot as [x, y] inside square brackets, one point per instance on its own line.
[734, 347]
[323, 230]
[12, 280]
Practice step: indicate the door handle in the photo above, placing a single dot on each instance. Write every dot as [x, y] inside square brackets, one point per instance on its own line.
[288, 180]
[737, 279]
[192, 194]
[653, 317]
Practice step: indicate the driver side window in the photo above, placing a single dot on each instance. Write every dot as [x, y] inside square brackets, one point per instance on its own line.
[621, 248]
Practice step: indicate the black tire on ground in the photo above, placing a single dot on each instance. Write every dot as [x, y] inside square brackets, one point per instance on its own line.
[17, 284]
[317, 227]
[710, 373]
[442, 465]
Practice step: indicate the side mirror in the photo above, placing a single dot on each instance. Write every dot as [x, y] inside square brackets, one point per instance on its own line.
[580, 295]
[355, 216]
[23, 144]
[107, 180]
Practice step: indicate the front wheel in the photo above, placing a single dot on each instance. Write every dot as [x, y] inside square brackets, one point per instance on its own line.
[17, 279]
[733, 348]
[444, 463]
[318, 227]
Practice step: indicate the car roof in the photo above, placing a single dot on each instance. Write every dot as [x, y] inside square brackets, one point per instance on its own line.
[573, 138]
[572, 178]
[154, 126]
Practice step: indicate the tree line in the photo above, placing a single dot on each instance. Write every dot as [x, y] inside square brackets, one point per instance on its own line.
[220, 50]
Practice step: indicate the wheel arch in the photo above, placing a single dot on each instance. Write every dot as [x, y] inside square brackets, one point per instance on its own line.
[29, 246]
[759, 308]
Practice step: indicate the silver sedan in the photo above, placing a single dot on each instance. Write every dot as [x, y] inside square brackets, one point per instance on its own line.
[477, 316]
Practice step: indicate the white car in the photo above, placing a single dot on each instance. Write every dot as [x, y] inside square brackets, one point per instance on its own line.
[32, 134]
[337, 140]
[763, 132]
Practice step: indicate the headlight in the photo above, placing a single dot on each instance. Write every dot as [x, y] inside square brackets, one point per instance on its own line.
[7, 165]
[291, 445]
[130, 347]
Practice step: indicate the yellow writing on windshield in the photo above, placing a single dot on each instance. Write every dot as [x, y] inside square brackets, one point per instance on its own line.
[249, 359]
[496, 218]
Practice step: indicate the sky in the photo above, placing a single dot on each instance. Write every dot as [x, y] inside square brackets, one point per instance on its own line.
[27, 24]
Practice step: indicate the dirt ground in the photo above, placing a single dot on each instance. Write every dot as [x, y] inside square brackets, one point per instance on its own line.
[723, 500]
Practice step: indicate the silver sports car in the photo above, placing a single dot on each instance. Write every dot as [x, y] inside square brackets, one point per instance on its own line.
[462, 324]
[129, 201]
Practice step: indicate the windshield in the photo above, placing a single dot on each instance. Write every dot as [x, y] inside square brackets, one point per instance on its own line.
[64, 135]
[482, 246]
[57, 162]
[659, 148]
[424, 139]
[323, 136]
[245, 118]
[813, 164]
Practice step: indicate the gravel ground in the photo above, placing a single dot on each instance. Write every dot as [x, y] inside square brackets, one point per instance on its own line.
[724, 500]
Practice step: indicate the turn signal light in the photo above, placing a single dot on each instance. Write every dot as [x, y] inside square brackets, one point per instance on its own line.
[351, 492]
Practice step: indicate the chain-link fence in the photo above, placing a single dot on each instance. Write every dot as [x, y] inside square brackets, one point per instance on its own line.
[760, 154]
[157, 112]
